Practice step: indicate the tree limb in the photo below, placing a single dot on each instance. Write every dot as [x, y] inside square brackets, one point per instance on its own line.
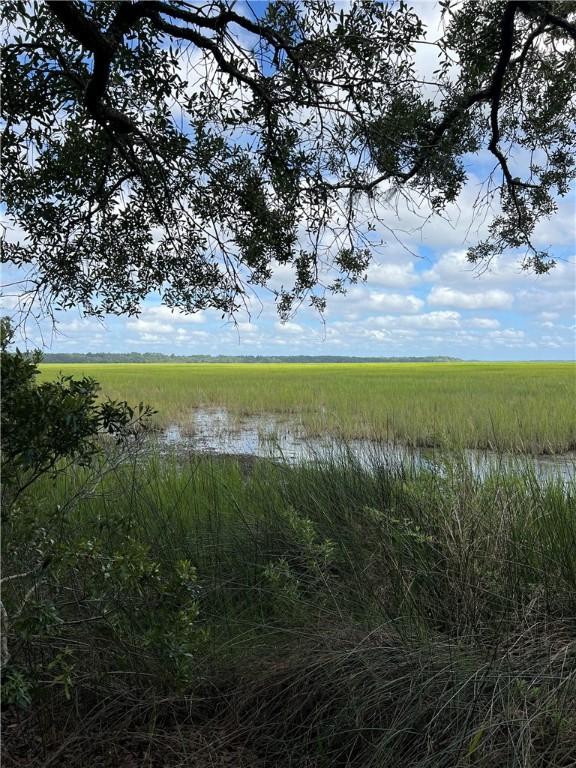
[506, 45]
[530, 8]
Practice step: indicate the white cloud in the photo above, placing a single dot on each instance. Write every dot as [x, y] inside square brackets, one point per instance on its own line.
[289, 327]
[167, 314]
[150, 338]
[378, 335]
[507, 333]
[453, 266]
[484, 322]
[559, 229]
[392, 275]
[537, 300]
[247, 327]
[82, 325]
[283, 276]
[509, 337]
[184, 334]
[505, 272]
[427, 320]
[413, 222]
[450, 297]
[434, 320]
[394, 302]
[149, 326]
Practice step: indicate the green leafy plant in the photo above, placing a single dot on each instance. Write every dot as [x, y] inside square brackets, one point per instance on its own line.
[47, 426]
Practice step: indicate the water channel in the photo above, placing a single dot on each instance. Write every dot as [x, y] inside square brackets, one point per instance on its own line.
[216, 431]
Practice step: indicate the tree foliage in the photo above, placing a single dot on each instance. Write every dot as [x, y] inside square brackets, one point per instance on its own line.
[48, 425]
[190, 149]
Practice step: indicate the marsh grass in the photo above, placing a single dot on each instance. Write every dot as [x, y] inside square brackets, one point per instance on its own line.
[336, 615]
[523, 407]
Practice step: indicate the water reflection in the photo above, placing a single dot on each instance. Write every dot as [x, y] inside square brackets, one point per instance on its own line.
[215, 430]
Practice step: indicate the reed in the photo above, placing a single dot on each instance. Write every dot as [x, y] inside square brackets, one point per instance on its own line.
[523, 407]
[325, 614]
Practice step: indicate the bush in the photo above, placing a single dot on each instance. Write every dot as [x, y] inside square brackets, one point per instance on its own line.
[46, 427]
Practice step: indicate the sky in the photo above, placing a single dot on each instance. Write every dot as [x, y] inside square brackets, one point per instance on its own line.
[421, 297]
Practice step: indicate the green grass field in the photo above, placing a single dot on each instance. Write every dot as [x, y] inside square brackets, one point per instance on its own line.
[187, 610]
[525, 407]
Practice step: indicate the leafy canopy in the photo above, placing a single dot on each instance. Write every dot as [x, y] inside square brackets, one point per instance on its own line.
[190, 148]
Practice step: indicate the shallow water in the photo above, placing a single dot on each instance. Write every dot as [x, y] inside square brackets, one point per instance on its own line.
[216, 431]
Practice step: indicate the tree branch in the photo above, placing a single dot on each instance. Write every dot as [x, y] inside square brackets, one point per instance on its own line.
[530, 8]
[104, 45]
[492, 94]
[78, 25]
[207, 44]
[506, 45]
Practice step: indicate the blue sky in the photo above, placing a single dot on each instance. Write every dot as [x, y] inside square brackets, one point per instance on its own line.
[423, 301]
[421, 297]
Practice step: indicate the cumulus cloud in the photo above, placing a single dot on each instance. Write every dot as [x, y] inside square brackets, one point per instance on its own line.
[393, 302]
[149, 326]
[392, 275]
[427, 320]
[453, 266]
[283, 276]
[450, 297]
[459, 225]
[541, 300]
[558, 230]
[166, 314]
[378, 335]
[509, 337]
[184, 334]
[247, 327]
[289, 327]
[81, 325]
[453, 269]
[507, 333]
[484, 322]
[150, 338]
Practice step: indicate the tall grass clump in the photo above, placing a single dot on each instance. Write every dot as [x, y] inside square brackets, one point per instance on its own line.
[327, 614]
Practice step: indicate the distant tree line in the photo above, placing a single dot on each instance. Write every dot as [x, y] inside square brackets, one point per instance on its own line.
[157, 357]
